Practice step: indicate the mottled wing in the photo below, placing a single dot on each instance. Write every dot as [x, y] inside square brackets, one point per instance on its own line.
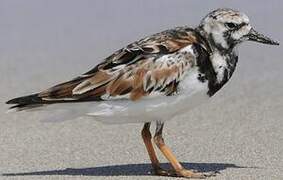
[153, 64]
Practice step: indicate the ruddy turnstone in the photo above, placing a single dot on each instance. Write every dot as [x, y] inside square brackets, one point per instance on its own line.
[157, 78]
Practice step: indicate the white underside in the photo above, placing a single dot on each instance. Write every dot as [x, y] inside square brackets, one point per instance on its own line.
[190, 95]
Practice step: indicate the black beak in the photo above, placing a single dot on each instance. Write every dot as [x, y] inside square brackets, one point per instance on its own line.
[257, 37]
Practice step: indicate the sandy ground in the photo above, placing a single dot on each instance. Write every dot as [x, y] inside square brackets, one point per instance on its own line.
[238, 133]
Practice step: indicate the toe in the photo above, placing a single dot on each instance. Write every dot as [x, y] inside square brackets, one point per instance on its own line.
[192, 174]
[162, 172]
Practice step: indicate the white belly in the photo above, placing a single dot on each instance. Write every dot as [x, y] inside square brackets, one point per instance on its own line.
[191, 93]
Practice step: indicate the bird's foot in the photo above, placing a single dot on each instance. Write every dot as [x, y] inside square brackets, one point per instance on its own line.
[162, 172]
[184, 173]
[194, 174]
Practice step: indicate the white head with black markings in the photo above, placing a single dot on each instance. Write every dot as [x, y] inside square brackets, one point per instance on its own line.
[225, 28]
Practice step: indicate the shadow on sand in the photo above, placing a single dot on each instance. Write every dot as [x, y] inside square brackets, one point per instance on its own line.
[126, 170]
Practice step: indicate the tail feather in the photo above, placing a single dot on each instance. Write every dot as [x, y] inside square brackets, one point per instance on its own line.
[31, 99]
[26, 102]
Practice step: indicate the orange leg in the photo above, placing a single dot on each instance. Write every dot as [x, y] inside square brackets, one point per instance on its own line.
[179, 169]
[146, 135]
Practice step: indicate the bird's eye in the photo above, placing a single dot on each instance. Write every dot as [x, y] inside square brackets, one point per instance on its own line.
[230, 25]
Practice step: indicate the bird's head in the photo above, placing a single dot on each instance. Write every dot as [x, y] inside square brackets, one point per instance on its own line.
[225, 28]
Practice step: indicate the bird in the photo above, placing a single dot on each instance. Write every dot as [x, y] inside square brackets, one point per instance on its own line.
[155, 79]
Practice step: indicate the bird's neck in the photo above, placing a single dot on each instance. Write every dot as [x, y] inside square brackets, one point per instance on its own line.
[223, 64]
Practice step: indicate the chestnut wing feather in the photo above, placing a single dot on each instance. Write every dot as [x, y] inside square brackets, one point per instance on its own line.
[143, 67]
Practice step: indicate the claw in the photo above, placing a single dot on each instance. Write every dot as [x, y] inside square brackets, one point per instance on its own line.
[185, 173]
[193, 174]
[162, 172]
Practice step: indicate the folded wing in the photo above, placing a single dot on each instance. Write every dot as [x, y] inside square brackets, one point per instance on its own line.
[151, 65]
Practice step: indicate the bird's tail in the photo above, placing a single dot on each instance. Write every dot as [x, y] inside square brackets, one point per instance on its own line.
[25, 102]
[50, 113]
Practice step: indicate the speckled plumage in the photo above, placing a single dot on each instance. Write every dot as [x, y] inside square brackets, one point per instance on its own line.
[154, 64]
[156, 78]
[158, 66]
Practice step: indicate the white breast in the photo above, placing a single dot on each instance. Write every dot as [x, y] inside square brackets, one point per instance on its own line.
[192, 92]
[219, 64]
